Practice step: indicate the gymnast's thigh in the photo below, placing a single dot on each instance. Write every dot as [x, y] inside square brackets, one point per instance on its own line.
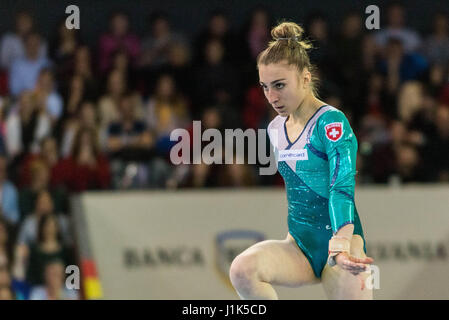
[340, 284]
[281, 262]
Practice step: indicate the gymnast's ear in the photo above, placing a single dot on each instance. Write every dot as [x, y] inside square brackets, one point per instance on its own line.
[306, 78]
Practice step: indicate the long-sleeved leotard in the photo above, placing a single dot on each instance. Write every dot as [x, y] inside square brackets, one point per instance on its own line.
[319, 173]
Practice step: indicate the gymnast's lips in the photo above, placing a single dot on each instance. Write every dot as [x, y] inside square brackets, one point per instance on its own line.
[279, 108]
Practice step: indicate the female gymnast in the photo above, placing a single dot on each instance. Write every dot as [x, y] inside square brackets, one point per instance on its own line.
[315, 150]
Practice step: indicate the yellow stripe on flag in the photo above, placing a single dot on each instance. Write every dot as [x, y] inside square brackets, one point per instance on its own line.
[93, 288]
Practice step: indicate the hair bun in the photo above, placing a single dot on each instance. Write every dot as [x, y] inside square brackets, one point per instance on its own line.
[287, 30]
[290, 31]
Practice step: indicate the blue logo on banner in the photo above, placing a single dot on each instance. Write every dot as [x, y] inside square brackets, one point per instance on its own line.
[229, 244]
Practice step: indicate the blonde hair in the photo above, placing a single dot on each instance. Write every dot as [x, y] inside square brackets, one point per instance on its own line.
[288, 45]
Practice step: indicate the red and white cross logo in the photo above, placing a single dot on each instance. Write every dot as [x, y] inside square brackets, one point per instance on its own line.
[334, 131]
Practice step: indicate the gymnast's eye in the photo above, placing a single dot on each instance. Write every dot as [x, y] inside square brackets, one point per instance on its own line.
[264, 87]
[279, 85]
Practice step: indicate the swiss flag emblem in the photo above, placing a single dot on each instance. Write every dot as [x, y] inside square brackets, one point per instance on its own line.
[334, 131]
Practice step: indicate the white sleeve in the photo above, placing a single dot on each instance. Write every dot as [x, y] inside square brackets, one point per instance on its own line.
[13, 135]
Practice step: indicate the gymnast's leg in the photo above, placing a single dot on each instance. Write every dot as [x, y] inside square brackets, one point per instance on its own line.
[341, 284]
[267, 263]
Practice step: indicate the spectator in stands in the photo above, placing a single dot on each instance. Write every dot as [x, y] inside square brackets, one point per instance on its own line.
[121, 62]
[396, 28]
[25, 71]
[9, 195]
[49, 155]
[237, 175]
[179, 66]
[331, 91]
[75, 96]
[21, 287]
[130, 147]
[63, 49]
[423, 119]
[257, 112]
[438, 77]
[410, 100]
[54, 288]
[10, 288]
[218, 29]
[254, 37]
[373, 128]
[215, 81]
[422, 131]
[399, 66]
[436, 46]
[86, 168]
[257, 31]
[407, 142]
[204, 175]
[440, 144]
[6, 293]
[48, 247]
[27, 124]
[80, 85]
[375, 98]
[45, 90]
[83, 67]
[128, 133]
[3, 111]
[380, 162]
[408, 163]
[402, 155]
[156, 45]
[443, 96]
[317, 28]
[6, 283]
[85, 118]
[12, 45]
[349, 69]
[5, 243]
[88, 117]
[417, 113]
[370, 55]
[28, 230]
[375, 103]
[40, 178]
[166, 110]
[108, 104]
[119, 36]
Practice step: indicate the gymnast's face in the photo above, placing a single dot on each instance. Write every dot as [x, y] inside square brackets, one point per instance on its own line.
[284, 86]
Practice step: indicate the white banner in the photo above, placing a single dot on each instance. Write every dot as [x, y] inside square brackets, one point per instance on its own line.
[179, 245]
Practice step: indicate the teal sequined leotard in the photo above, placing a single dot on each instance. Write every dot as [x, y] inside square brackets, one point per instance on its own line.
[319, 173]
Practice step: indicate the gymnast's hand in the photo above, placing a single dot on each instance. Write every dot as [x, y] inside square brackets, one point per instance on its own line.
[354, 265]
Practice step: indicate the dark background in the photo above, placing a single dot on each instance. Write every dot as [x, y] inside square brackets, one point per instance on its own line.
[190, 17]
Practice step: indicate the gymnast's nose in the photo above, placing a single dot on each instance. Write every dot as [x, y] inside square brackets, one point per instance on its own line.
[272, 97]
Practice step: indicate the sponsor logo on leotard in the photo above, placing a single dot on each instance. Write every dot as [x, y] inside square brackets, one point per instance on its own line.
[287, 155]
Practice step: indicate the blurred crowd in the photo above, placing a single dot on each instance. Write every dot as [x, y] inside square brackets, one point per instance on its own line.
[77, 117]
